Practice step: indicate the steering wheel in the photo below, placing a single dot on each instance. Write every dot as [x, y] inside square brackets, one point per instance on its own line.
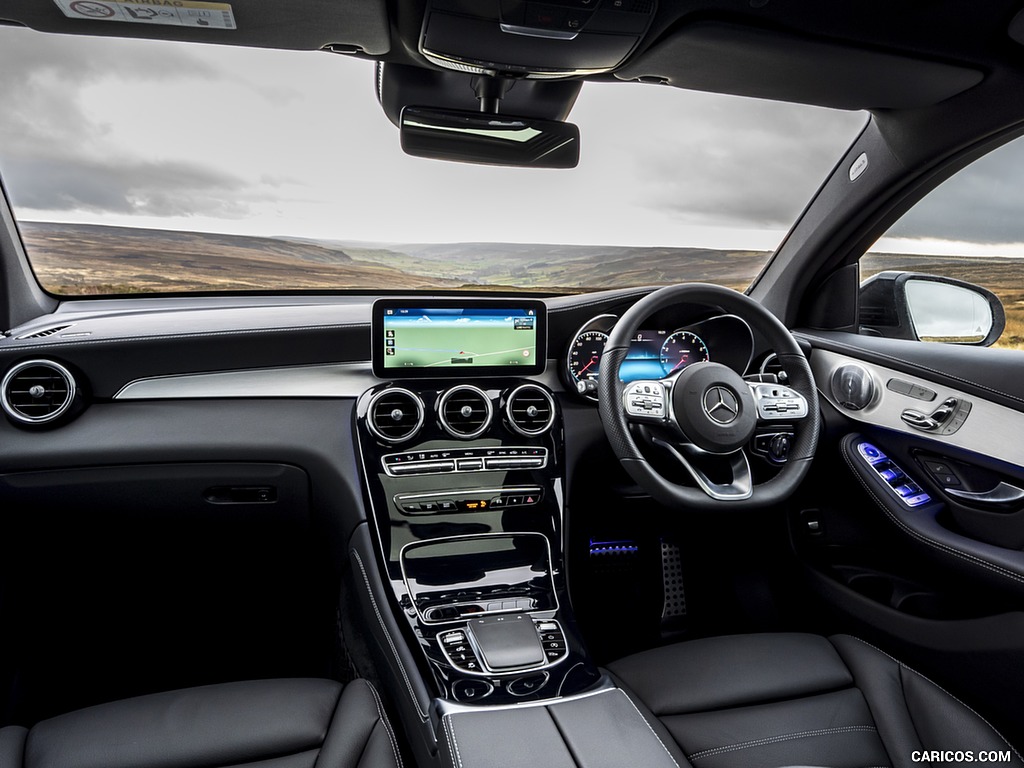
[705, 415]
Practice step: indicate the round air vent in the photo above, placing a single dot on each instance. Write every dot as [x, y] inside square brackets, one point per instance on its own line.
[530, 410]
[37, 391]
[852, 387]
[395, 415]
[465, 411]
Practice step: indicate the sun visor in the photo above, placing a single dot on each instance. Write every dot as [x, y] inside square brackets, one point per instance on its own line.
[746, 61]
[350, 26]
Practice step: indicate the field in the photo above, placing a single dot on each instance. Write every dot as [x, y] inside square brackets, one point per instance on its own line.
[79, 259]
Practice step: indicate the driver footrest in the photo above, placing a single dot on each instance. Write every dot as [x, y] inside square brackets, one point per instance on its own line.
[673, 607]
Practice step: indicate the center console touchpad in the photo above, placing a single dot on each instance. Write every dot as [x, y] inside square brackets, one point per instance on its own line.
[507, 642]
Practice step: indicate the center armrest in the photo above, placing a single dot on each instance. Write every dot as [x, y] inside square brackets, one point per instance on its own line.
[591, 731]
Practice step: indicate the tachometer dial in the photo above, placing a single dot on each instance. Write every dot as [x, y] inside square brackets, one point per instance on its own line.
[585, 355]
[681, 349]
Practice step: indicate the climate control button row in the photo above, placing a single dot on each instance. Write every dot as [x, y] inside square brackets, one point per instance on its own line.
[474, 500]
[464, 460]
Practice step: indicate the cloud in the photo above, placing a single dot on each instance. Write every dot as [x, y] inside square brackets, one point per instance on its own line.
[983, 203]
[743, 162]
[68, 183]
[129, 131]
[56, 156]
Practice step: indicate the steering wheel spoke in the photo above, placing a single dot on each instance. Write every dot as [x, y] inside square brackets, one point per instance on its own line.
[740, 487]
[647, 401]
[777, 402]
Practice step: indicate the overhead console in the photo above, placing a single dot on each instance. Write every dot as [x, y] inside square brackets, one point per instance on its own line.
[462, 459]
[557, 38]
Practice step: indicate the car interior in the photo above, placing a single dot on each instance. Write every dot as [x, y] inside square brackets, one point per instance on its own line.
[385, 527]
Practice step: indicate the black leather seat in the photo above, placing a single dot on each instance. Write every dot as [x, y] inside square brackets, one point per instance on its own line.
[799, 700]
[269, 723]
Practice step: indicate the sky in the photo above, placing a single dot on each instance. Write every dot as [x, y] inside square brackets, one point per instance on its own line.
[223, 139]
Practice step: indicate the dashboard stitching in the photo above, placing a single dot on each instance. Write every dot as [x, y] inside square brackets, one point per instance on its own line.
[929, 680]
[385, 723]
[197, 334]
[391, 642]
[969, 382]
[973, 560]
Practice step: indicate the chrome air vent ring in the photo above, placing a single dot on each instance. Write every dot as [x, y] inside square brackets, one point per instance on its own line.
[37, 391]
[465, 411]
[530, 410]
[395, 415]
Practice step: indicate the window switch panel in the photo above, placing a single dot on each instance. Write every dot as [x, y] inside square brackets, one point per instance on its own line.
[895, 479]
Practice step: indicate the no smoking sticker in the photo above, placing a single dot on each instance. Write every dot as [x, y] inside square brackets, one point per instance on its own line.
[178, 13]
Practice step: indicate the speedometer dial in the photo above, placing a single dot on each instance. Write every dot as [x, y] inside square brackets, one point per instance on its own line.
[681, 349]
[585, 355]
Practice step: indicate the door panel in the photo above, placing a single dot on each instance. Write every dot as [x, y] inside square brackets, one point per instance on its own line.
[918, 544]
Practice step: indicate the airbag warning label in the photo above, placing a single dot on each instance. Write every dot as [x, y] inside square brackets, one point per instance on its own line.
[178, 13]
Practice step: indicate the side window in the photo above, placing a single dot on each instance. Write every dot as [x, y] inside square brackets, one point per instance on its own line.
[952, 269]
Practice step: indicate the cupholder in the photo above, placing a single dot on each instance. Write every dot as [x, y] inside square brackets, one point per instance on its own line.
[926, 605]
[872, 585]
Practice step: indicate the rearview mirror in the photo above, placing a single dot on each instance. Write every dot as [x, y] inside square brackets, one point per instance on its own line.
[907, 305]
[489, 139]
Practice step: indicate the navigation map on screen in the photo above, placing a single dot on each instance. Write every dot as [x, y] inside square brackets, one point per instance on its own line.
[459, 337]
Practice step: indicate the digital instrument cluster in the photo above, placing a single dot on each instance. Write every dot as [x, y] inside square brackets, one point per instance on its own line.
[655, 353]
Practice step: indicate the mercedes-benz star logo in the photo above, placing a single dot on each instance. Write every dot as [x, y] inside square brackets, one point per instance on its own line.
[721, 405]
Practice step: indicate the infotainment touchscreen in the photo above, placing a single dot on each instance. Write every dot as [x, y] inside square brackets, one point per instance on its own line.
[451, 337]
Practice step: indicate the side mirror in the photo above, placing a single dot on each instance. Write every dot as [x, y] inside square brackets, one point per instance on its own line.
[907, 305]
[489, 139]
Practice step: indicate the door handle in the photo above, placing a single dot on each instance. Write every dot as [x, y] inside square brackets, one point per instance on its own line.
[1004, 493]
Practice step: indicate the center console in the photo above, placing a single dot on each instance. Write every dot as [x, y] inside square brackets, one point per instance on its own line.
[462, 458]
[462, 452]
[470, 530]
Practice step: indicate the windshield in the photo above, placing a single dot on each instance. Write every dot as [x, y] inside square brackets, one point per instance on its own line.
[144, 167]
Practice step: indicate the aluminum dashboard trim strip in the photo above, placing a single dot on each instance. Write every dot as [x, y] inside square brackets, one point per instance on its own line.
[326, 380]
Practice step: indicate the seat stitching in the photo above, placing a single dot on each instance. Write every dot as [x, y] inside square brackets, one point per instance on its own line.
[330, 721]
[650, 728]
[954, 698]
[387, 635]
[784, 737]
[971, 559]
[449, 725]
[384, 721]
